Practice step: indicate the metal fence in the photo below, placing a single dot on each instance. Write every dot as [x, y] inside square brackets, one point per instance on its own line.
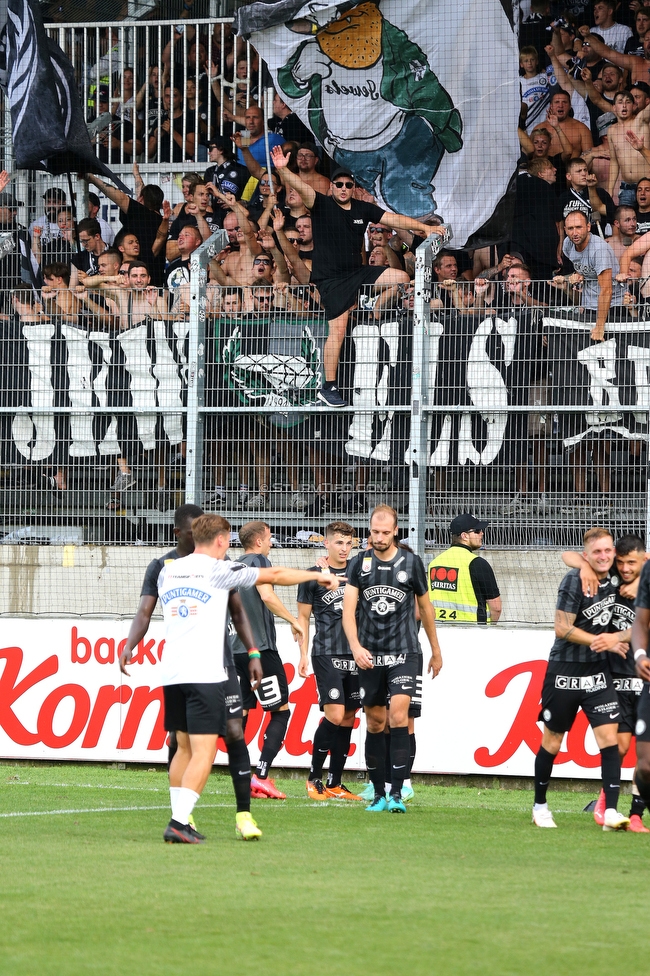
[119, 404]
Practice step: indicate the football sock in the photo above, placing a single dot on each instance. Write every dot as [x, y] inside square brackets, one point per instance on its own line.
[239, 764]
[338, 754]
[637, 807]
[375, 756]
[324, 739]
[244, 721]
[543, 769]
[273, 739]
[388, 775]
[399, 751]
[411, 751]
[643, 786]
[610, 764]
[173, 795]
[183, 805]
[171, 748]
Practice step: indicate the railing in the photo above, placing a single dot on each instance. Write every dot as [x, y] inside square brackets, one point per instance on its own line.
[113, 414]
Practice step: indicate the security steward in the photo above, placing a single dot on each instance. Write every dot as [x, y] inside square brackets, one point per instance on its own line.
[462, 585]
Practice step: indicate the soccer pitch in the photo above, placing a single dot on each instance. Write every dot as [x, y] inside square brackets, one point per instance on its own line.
[462, 884]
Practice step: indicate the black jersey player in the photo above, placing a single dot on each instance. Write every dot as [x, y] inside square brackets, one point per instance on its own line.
[334, 668]
[578, 676]
[380, 625]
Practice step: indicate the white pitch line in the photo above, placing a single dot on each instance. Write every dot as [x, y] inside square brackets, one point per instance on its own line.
[51, 813]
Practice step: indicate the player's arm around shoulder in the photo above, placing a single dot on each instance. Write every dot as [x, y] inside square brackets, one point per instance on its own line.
[427, 616]
[588, 578]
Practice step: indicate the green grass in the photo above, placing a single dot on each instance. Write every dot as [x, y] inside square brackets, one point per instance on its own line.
[463, 884]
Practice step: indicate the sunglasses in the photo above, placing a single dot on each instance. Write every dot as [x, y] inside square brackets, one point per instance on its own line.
[339, 184]
[261, 261]
[376, 230]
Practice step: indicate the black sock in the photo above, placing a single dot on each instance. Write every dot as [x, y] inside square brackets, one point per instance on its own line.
[171, 749]
[399, 751]
[543, 769]
[375, 757]
[388, 773]
[324, 739]
[643, 786]
[244, 721]
[339, 753]
[273, 739]
[239, 764]
[328, 384]
[411, 752]
[637, 807]
[610, 764]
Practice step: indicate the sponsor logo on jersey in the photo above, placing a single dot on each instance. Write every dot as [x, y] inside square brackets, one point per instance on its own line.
[444, 578]
[181, 592]
[366, 565]
[384, 591]
[333, 597]
[401, 577]
[600, 613]
[184, 610]
[382, 606]
[582, 682]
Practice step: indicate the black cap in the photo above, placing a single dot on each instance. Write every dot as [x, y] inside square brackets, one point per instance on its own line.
[642, 86]
[340, 171]
[467, 523]
[310, 147]
[54, 193]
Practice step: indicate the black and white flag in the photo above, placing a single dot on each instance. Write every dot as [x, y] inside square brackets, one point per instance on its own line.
[609, 380]
[48, 128]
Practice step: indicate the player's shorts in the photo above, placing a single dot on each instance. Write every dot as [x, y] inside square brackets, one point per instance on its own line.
[337, 680]
[642, 727]
[232, 698]
[243, 675]
[396, 677]
[628, 690]
[564, 692]
[415, 707]
[273, 691]
[198, 709]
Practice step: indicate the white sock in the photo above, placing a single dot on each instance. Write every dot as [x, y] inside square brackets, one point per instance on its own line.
[540, 806]
[183, 805]
[407, 782]
[387, 787]
[173, 794]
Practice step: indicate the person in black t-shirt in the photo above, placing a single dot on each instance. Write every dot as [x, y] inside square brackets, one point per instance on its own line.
[578, 676]
[173, 120]
[380, 625]
[238, 758]
[142, 218]
[339, 223]
[336, 674]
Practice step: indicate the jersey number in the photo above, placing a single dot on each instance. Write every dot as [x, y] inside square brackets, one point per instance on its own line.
[445, 614]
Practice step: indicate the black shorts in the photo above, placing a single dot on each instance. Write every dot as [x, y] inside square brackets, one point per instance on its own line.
[232, 697]
[273, 691]
[415, 708]
[563, 693]
[628, 691]
[377, 684]
[198, 709]
[247, 694]
[337, 680]
[642, 727]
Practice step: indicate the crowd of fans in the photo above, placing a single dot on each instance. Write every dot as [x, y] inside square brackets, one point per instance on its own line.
[585, 161]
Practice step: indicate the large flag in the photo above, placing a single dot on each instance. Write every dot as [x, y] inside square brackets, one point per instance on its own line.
[48, 128]
[421, 101]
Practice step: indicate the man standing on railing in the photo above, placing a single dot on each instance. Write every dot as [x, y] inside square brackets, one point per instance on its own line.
[339, 222]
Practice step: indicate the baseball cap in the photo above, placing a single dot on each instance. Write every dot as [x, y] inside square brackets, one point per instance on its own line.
[54, 193]
[7, 199]
[340, 171]
[310, 147]
[642, 86]
[466, 523]
[103, 93]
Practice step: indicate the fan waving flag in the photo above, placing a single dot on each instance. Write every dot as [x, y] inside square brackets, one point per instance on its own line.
[48, 128]
[423, 109]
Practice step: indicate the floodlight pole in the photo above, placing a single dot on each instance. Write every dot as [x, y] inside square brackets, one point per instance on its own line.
[196, 363]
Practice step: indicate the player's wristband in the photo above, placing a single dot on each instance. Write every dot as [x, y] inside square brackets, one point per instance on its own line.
[640, 653]
[253, 652]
